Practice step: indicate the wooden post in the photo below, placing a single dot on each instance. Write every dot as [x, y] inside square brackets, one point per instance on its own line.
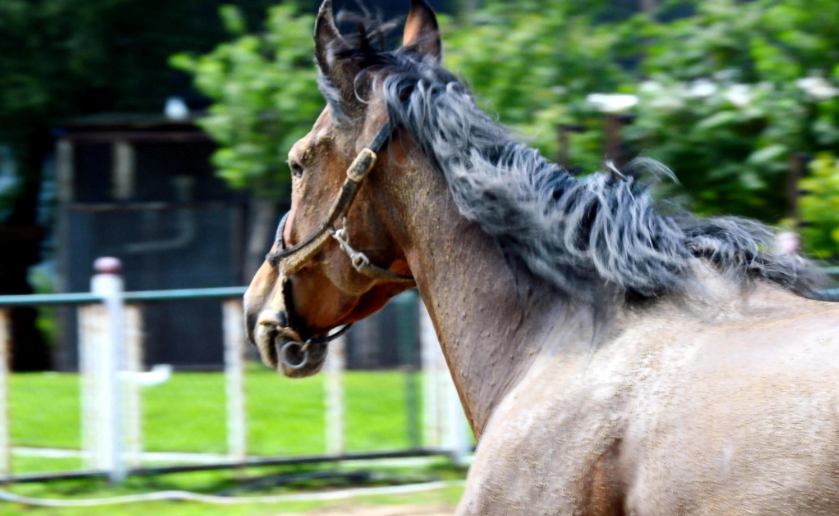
[432, 363]
[458, 429]
[562, 152]
[132, 398]
[5, 430]
[446, 426]
[65, 171]
[122, 171]
[613, 139]
[234, 375]
[563, 157]
[334, 392]
[406, 317]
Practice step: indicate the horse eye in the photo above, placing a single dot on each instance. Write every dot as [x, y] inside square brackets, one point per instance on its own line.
[296, 168]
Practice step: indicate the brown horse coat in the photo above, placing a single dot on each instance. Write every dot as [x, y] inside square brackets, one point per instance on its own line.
[719, 401]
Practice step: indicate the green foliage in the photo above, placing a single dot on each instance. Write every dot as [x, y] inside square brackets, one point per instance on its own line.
[820, 207]
[64, 58]
[727, 105]
[535, 70]
[726, 90]
[718, 94]
[265, 92]
[729, 144]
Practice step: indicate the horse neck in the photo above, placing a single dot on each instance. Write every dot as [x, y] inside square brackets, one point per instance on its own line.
[491, 324]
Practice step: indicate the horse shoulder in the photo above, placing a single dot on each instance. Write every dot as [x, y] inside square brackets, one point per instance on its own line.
[552, 446]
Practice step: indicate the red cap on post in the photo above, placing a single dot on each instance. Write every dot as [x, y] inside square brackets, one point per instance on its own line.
[107, 265]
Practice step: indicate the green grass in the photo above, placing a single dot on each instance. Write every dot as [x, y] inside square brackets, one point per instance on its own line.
[45, 410]
[187, 414]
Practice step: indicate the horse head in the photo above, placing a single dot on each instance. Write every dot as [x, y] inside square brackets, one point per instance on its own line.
[334, 260]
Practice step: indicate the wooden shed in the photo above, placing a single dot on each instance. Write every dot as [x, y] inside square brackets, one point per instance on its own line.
[141, 188]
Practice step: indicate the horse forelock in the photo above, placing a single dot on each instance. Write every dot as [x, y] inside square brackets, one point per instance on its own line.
[580, 235]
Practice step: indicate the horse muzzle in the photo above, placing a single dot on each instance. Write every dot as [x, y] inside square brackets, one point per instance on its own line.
[282, 349]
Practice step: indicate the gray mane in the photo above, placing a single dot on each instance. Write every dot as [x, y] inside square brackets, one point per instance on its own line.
[581, 235]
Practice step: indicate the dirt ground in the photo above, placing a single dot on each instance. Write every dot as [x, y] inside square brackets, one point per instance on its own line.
[395, 510]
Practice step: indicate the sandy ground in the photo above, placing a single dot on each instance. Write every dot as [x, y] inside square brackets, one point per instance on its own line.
[395, 510]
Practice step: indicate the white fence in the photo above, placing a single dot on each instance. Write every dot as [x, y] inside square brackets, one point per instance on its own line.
[111, 375]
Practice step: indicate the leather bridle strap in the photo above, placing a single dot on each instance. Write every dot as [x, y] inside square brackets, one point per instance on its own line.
[295, 354]
[294, 258]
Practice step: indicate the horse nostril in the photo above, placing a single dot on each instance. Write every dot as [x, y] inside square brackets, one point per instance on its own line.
[283, 319]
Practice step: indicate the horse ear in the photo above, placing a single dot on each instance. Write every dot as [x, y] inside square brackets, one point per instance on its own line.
[329, 43]
[422, 32]
[328, 40]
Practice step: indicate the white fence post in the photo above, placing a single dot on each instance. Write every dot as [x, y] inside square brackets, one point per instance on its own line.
[234, 374]
[5, 431]
[459, 431]
[432, 363]
[106, 367]
[334, 392]
[132, 398]
[444, 423]
[91, 344]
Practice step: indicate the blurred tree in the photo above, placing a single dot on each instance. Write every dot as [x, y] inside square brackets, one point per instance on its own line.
[265, 93]
[63, 58]
[727, 90]
[820, 207]
[535, 63]
[737, 88]
[266, 96]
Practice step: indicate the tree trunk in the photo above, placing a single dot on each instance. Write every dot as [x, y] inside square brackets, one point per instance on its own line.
[20, 239]
[30, 351]
[263, 224]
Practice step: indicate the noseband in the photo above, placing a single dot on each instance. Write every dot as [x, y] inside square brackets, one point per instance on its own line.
[290, 260]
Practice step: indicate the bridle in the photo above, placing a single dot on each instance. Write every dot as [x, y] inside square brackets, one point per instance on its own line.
[295, 354]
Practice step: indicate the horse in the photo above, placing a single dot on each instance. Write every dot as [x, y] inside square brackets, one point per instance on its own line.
[612, 358]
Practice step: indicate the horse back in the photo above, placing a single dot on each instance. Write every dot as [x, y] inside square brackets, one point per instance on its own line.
[739, 415]
[676, 413]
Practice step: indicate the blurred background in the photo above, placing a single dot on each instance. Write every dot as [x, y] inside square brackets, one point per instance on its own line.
[157, 132]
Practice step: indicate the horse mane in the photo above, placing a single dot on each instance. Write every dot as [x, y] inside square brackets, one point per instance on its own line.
[581, 235]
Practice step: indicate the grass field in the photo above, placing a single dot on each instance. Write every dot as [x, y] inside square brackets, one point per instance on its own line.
[187, 414]
[212, 483]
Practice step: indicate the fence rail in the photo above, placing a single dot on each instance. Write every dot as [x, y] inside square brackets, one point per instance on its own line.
[81, 298]
[110, 342]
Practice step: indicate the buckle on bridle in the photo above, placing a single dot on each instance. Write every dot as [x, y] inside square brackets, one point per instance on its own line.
[358, 259]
